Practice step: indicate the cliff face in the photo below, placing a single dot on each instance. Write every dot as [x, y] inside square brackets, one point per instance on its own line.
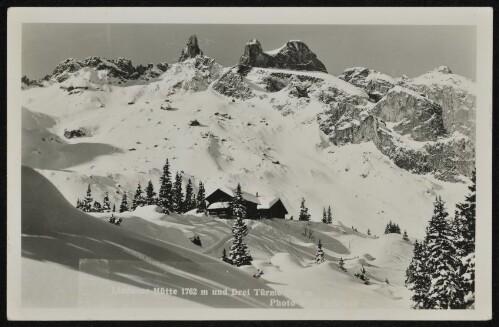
[455, 94]
[411, 113]
[294, 55]
[445, 158]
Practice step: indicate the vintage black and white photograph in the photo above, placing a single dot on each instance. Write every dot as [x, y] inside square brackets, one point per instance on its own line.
[224, 165]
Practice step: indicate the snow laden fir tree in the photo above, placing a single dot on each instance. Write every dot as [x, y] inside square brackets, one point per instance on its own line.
[304, 215]
[165, 195]
[239, 253]
[319, 256]
[442, 271]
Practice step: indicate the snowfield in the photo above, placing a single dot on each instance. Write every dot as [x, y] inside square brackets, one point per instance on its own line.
[92, 263]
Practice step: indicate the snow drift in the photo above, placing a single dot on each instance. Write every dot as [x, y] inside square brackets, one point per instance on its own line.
[56, 238]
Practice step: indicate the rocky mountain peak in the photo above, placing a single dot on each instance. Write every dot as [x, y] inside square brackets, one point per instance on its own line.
[191, 49]
[294, 55]
[253, 41]
[119, 70]
[443, 70]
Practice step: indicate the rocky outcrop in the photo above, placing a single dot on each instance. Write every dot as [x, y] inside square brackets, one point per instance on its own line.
[443, 70]
[293, 55]
[196, 74]
[232, 84]
[446, 158]
[412, 113]
[455, 94]
[376, 84]
[150, 71]
[367, 128]
[119, 70]
[191, 49]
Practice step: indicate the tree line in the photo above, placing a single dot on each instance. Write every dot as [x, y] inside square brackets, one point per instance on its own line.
[170, 196]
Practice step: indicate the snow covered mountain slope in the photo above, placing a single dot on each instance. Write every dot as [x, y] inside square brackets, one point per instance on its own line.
[92, 263]
[368, 106]
[247, 142]
[83, 252]
[286, 255]
[273, 140]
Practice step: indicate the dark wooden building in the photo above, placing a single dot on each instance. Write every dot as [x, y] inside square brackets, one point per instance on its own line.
[219, 200]
[256, 207]
[271, 208]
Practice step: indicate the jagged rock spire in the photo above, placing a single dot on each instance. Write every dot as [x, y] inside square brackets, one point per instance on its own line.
[191, 49]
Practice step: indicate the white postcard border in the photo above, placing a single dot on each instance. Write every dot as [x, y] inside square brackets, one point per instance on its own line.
[479, 17]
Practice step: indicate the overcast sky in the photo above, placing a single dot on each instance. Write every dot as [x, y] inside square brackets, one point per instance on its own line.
[394, 50]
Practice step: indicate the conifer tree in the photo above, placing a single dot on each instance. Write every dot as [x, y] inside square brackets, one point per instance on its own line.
[106, 205]
[194, 201]
[368, 232]
[362, 275]
[388, 228]
[465, 219]
[201, 203]
[79, 204]
[178, 196]
[88, 200]
[165, 196]
[304, 215]
[114, 207]
[150, 194]
[446, 290]
[237, 206]
[138, 199]
[124, 203]
[405, 237]
[239, 254]
[392, 228]
[189, 193]
[96, 207]
[417, 277]
[324, 216]
[464, 223]
[342, 264]
[319, 256]
[329, 215]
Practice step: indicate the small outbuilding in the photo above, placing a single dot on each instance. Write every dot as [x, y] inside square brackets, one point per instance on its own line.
[271, 207]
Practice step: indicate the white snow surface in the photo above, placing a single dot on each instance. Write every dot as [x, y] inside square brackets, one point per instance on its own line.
[92, 263]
